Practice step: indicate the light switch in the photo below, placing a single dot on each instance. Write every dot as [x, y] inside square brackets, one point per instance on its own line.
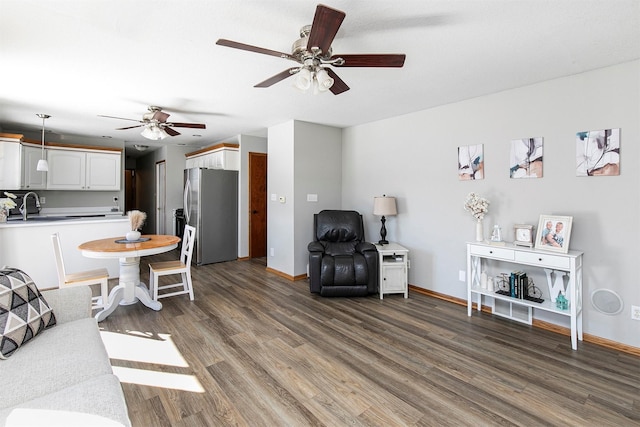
[312, 197]
[274, 197]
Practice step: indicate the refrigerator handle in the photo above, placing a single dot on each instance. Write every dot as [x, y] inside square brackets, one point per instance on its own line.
[187, 207]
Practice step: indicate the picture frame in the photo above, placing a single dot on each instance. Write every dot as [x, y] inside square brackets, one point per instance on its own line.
[554, 233]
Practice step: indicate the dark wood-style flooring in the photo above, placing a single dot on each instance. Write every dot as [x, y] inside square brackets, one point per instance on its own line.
[262, 351]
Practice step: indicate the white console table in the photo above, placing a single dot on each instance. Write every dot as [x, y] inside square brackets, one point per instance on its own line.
[556, 267]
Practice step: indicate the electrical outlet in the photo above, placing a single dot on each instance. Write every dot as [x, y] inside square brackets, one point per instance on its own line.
[635, 312]
[462, 276]
[272, 252]
[43, 200]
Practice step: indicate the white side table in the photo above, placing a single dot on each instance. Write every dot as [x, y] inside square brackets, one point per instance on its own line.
[394, 265]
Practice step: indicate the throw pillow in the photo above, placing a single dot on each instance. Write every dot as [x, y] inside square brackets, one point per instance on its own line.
[24, 312]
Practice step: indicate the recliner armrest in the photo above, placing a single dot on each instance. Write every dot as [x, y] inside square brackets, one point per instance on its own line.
[315, 247]
[366, 246]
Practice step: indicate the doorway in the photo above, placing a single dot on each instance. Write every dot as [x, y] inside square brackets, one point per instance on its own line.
[257, 205]
[129, 189]
[161, 197]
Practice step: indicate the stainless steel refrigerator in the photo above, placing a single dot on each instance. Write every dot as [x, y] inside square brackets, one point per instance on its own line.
[211, 205]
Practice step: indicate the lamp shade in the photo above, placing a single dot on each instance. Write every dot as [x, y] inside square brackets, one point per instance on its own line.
[384, 206]
[42, 166]
[154, 132]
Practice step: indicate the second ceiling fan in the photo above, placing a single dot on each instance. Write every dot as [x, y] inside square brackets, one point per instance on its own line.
[314, 54]
[156, 125]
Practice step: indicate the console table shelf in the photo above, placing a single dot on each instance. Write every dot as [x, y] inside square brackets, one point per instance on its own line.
[556, 267]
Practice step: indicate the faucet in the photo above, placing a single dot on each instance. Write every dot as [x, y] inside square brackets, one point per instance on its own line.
[23, 207]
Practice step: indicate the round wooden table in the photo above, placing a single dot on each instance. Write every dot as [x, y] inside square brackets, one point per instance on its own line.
[129, 290]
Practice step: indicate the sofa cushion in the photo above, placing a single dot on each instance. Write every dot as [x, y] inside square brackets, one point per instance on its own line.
[24, 313]
[61, 357]
[95, 402]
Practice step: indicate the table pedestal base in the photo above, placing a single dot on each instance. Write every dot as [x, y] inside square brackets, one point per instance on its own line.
[129, 291]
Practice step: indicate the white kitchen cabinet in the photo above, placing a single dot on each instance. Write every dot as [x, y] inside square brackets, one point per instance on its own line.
[18, 166]
[220, 156]
[32, 179]
[83, 170]
[103, 171]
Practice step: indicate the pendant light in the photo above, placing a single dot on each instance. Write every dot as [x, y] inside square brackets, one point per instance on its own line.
[43, 165]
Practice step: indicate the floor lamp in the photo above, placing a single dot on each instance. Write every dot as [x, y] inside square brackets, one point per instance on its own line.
[384, 206]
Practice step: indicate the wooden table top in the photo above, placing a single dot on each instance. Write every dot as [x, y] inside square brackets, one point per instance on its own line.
[110, 245]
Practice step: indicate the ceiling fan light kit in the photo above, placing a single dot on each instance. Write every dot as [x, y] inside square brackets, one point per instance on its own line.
[153, 132]
[313, 52]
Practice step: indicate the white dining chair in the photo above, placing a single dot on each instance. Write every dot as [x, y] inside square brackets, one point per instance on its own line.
[181, 267]
[99, 276]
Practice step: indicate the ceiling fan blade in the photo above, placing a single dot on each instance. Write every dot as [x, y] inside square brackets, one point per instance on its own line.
[326, 23]
[171, 132]
[371, 60]
[250, 48]
[275, 79]
[187, 125]
[160, 116]
[130, 127]
[338, 86]
[120, 118]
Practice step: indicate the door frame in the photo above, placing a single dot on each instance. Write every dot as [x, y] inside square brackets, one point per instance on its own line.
[161, 197]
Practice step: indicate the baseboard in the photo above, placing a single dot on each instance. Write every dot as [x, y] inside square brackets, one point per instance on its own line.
[286, 276]
[614, 345]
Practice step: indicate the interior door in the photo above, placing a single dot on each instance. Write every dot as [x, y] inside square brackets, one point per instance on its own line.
[161, 197]
[257, 205]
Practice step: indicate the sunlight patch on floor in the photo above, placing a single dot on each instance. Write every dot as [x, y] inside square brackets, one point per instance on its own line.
[158, 379]
[138, 347]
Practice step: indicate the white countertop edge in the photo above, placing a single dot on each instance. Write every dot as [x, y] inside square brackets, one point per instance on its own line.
[70, 221]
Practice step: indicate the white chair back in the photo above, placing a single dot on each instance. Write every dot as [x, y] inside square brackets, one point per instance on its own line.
[188, 242]
[57, 250]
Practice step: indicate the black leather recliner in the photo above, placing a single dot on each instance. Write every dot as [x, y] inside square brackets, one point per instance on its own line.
[341, 263]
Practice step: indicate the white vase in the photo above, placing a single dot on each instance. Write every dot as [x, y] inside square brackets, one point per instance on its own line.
[133, 235]
[479, 231]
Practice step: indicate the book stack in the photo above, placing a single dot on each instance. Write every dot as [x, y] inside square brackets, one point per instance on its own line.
[519, 287]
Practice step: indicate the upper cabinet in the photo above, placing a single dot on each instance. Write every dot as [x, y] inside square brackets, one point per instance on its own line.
[31, 178]
[70, 168]
[83, 170]
[18, 163]
[220, 156]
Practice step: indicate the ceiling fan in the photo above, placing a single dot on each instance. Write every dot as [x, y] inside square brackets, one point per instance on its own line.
[156, 125]
[314, 54]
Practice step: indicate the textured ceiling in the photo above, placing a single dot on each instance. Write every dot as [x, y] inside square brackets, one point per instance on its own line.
[78, 59]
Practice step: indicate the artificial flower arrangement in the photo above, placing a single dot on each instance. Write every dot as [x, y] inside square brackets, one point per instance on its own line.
[136, 218]
[7, 203]
[478, 206]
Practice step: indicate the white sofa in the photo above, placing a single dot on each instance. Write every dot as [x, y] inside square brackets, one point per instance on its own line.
[63, 376]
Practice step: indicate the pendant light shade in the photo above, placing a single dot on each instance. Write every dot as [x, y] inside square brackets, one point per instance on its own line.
[43, 165]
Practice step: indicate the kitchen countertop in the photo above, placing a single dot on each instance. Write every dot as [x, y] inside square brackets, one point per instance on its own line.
[61, 216]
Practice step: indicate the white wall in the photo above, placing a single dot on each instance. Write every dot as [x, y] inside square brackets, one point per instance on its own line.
[318, 170]
[304, 158]
[414, 158]
[248, 144]
[280, 219]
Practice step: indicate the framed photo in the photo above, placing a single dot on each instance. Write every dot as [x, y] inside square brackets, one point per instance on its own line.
[554, 233]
